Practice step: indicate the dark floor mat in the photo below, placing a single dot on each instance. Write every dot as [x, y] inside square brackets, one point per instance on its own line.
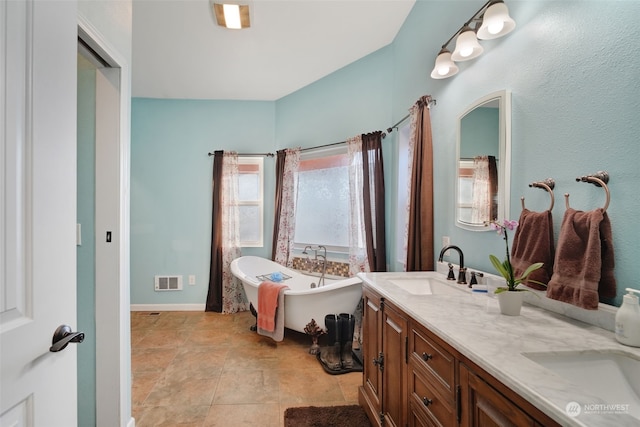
[326, 416]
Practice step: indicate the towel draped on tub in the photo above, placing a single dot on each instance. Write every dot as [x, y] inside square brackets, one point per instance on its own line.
[583, 270]
[271, 310]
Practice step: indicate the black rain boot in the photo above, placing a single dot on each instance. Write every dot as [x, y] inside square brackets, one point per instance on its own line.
[330, 355]
[348, 323]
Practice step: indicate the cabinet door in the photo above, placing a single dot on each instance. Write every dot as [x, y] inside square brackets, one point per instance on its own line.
[394, 333]
[489, 408]
[371, 349]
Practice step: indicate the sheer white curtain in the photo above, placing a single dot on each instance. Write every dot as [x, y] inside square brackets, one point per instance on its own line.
[287, 214]
[358, 259]
[481, 203]
[414, 111]
[233, 296]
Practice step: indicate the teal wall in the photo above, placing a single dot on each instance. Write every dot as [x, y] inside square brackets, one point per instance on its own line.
[480, 131]
[171, 186]
[86, 263]
[573, 78]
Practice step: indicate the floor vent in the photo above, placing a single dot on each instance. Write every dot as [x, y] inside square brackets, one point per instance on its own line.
[168, 283]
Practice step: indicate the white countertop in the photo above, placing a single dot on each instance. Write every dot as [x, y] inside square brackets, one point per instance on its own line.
[473, 325]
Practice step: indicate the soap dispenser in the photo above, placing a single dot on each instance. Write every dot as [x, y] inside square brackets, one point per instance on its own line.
[628, 319]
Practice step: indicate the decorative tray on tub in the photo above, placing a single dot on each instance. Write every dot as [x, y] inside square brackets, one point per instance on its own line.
[269, 276]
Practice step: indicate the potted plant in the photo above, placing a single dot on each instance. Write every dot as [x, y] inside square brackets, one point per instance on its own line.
[510, 296]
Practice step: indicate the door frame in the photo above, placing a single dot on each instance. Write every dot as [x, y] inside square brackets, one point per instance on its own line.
[113, 344]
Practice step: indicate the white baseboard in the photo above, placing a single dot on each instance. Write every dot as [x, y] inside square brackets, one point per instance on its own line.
[167, 307]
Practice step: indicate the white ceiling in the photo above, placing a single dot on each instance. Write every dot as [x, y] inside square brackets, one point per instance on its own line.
[180, 52]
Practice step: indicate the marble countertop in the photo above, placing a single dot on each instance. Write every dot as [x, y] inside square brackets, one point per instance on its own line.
[473, 325]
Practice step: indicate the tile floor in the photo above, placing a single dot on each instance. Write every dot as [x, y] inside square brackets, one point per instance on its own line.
[200, 369]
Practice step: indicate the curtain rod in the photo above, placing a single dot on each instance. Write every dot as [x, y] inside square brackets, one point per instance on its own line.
[250, 154]
[389, 130]
[429, 100]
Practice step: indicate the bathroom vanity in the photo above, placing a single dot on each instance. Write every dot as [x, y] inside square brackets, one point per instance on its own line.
[436, 354]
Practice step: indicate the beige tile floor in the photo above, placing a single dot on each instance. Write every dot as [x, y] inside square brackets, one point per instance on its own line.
[195, 369]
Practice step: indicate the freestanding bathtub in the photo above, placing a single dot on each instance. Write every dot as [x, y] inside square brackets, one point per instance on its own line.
[301, 302]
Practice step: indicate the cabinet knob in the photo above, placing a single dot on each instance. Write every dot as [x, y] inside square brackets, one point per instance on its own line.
[426, 401]
[426, 357]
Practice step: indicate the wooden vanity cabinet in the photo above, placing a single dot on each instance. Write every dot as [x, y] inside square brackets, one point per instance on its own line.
[383, 393]
[414, 378]
[489, 408]
[433, 389]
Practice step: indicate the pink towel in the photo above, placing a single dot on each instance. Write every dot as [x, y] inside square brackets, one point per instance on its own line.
[583, 270]
[268, 296]
[533, 242]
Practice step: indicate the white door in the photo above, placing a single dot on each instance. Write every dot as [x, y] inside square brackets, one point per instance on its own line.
[37, 217]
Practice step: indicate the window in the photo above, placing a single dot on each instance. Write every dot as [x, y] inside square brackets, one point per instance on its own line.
[322, 210]
[250, 201]
[465, 191]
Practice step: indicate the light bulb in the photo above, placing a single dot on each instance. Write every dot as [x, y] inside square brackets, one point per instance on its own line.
[466, 51]
[443, 71]
[495, 27]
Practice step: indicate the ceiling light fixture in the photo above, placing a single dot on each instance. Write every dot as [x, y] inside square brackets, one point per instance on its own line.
[234, 16]
[490, 22]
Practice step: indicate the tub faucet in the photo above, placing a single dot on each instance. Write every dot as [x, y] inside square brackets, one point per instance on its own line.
[323, 257]
[324, 264]
[462, 277]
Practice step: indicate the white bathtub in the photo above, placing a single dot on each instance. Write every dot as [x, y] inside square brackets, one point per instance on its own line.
[301, 302]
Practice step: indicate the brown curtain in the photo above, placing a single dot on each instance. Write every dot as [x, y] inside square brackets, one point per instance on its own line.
[281, 155]
[493, 187]
[420, 256]
[373, 173]
[214, 295]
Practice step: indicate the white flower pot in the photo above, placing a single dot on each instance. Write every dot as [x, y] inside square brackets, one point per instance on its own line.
[510, 302]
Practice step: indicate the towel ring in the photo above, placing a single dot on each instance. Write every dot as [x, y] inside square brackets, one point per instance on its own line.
[547, 185]
[598, 179]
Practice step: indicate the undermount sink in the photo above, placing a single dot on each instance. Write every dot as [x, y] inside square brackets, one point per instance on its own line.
[612, 376]
[427, 285]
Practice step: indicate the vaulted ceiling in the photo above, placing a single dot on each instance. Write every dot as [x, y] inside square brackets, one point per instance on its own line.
[180, 52]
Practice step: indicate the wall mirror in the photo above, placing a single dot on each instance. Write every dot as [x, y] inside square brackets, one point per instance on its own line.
[483, 157]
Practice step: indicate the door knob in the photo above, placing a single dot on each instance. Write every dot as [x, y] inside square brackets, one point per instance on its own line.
[63, 336]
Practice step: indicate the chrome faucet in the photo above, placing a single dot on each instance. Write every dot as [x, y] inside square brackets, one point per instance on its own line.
[315, 259]
[462, 277]
[324, 265]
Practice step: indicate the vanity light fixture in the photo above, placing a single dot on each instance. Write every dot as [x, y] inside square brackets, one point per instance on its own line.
[234, 16]
[490, 22]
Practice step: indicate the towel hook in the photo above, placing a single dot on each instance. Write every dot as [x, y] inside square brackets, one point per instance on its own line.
[548, 185]
[599, 179]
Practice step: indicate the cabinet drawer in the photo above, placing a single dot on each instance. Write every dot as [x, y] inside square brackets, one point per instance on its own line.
[425, 398]
[418, 417]
[434, 359]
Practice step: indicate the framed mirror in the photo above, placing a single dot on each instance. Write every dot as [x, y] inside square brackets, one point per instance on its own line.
[483, 162]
